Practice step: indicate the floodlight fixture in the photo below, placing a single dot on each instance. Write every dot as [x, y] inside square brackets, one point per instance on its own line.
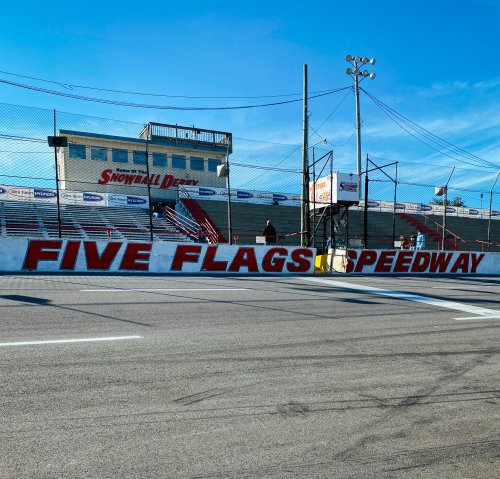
[372, 61]
[364, 60]
[348, 58]
[357, 59]
[372, 76]
[349, 71]
[365, 73]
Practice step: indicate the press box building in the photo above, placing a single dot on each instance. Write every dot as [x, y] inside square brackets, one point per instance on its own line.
[169, 155]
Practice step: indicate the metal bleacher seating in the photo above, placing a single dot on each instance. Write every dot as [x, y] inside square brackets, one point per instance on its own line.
[40, 220]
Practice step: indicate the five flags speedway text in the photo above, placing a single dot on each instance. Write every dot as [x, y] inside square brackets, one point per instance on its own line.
[65, 255]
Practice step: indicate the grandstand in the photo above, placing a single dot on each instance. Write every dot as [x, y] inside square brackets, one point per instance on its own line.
[198, 220]
[39, 220]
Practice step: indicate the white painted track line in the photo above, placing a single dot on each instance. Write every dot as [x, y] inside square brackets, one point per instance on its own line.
[119, 290]
[68, 341]
[482, 313]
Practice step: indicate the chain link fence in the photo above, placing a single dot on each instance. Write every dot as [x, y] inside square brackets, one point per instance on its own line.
[26, 161]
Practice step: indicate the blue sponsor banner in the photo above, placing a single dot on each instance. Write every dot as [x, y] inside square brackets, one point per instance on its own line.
[206, 191]
[473, 212]
[134, 200]
[92, 197]
[243, 194]
[46, 194]
[373, 204]
[278, 197]
[425, 208]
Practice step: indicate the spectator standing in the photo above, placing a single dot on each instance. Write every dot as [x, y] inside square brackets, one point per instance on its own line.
[404, 243]
[420, 242]
[413, 241]
[269, 233]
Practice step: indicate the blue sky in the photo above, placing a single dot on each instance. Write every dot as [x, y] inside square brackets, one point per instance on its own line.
[436, 65]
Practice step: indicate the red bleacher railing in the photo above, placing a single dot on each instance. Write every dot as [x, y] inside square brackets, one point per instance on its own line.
[183, 223]
[209, 228]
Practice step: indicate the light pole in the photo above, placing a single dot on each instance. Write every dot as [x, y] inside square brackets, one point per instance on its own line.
[355, 73]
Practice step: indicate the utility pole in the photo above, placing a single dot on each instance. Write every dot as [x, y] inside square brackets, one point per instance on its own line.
[357, 63]
[304, 212]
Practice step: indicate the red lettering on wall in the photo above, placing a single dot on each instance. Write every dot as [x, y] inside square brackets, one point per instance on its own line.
[384, 262]
[351, 257]
[440, 262]
[366, 258]
[403, 262]
[270, 264]
[244, 257]
[301, 260]
[185, 254]
[70, 254]
[167, 182]
[136, 257]
[462, 263]
[421, 262]
[476, 259]
[103, 261]
[209, 263]
[41, 250]
[105, 175]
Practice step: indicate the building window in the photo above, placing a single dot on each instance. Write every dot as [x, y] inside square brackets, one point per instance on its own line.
[97, 153]
[77, 151]
[197, 163]
[213, 164]
[139, 157]
[159, 159]
[120, 156]
[179, 161]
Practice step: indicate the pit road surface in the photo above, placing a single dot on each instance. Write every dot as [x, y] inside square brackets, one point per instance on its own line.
[249, 377]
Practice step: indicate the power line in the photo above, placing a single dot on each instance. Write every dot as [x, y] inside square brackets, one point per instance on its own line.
[71, 86]
[158, 107]
[420, 132]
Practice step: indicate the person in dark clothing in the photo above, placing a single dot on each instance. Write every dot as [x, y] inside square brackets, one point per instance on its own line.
[269, 233]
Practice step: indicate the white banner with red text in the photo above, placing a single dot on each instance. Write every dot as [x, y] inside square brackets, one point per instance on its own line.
[23, 254]
[420, 262]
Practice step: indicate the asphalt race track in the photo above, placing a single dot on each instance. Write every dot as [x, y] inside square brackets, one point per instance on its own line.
[249, 377]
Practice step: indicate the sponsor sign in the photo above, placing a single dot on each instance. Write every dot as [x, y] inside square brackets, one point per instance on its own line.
[94, 198]
[71, 197]
[126, 201]
[243, 194]
[421, 262]
[15, 193]
[45, 195]
[157, 257]
[239, 196]
[337, 188]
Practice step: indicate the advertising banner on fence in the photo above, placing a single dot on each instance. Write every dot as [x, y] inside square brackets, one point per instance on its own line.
[66, 197]
[427, 209]
[239, 196]
[421, 262]
[160, 257]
